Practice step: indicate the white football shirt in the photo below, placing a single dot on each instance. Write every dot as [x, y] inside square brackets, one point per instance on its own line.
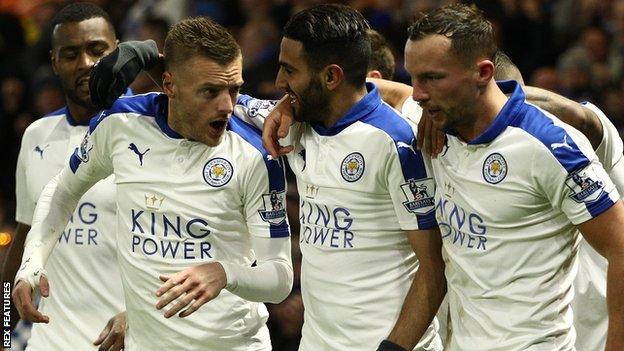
[85, 285]
[507, 205]
[181, 203]
[361, 186]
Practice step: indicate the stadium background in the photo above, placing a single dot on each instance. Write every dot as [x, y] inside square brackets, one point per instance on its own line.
[573, 47]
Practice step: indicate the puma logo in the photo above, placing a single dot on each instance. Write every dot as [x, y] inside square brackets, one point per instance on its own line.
[135, 149]
[555, 146]
[404, 145]
[40, 150]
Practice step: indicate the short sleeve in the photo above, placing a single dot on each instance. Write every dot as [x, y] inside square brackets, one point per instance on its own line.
[265, 198]
[573, 179]
[411, 187]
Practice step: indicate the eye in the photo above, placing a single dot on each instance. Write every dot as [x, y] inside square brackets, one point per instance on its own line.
[98, 52]
[68, 54]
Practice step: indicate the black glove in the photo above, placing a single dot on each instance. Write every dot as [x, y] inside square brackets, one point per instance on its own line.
[112, 74]
[388, 345]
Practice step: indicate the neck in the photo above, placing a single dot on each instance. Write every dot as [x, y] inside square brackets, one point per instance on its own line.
[487, 107]
[79, 113]
[175, 123]
[342, 102]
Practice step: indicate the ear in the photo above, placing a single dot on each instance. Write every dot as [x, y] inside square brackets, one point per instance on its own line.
[332, 75]
[168, 86]
[486, 72]
[374, 74]
[53, 61]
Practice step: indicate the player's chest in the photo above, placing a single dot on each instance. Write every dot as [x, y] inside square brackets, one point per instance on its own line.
[486, 183]
[47, 156]
[338, 162]
[179, 168]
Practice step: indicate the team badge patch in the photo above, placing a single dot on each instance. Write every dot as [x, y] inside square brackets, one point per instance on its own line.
[85, 147]
[494, 168]
[352, 167]
[261, 108]
[419, 194]
[274, 210]
[218, 172]
[584, 185]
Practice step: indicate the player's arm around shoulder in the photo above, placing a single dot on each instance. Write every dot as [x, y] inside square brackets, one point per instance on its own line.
[569, 111]
[393, 93]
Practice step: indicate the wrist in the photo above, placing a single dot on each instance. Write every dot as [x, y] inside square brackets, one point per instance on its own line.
[31, 274]
[387, 345]
[230, 283]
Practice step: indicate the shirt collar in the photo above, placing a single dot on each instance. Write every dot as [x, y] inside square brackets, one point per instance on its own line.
[73, 122]
[362, 108]
[507, 114]
[162, 104]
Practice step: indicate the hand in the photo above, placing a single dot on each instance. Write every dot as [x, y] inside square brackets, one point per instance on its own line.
[112, 337]
[111, 76]
[200, 283]
[429, 139]
[22, 298]
[276, 126]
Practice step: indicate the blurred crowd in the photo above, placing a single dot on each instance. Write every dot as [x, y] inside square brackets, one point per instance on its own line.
[573, 47]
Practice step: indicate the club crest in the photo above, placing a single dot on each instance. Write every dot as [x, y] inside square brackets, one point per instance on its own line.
[352, 167]
[494, 168]
[218, 172]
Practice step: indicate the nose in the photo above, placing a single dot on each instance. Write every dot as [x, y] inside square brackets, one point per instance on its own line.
[280, 81]
[226, 102]
[418, 93]
[86, 61]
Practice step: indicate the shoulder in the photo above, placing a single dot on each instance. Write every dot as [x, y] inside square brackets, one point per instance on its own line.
[250, 136]
[148, 105]
[45, 124]
[566, 144]
[391, 124]
[253, 151]
[399, 134]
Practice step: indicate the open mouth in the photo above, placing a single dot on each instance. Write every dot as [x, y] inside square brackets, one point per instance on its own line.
[293, 98]
[83, 85]
[83, 81]
[217, 127]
